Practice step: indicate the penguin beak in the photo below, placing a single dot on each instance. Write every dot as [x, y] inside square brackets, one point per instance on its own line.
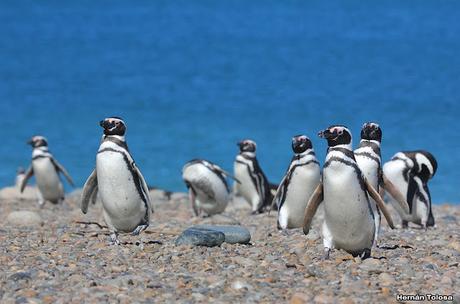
[30, 142]
[326, 134]
[102, 123]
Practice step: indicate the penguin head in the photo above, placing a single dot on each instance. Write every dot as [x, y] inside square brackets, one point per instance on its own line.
[247, 145]
[371, 131]
[426, 165]
[301, 143]
[38, 141]
[113, 126]
[336, 135]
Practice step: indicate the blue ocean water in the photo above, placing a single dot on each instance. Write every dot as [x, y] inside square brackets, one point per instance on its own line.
[191, 78]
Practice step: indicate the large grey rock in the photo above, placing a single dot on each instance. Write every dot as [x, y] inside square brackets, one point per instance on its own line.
[24, 218]
[201, 237]
[233, 234]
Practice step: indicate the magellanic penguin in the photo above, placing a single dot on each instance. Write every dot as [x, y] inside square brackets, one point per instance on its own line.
[253, 186]
[46, 170]
[298, 184]
[122, 188]
[207, 186]
[20, 175]
[368, 158]
[348, 217]
[410, 172]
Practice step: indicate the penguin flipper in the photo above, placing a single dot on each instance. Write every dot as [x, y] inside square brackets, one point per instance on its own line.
[61, 168]
[144, 186]
[276, 197]
[380, 203]
[27, 176]
[226, 173]
[88, 191]
[395, 193]
[313, 204]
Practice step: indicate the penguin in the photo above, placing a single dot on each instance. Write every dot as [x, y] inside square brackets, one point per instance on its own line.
[46, 170]
[298, 184]
[207, 186]
[368, 158]
[410, 172]
[20, 175]
[348, 216]
[122, 188]
[254, 186]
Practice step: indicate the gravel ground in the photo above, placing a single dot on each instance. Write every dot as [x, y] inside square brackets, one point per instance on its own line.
[63, 261]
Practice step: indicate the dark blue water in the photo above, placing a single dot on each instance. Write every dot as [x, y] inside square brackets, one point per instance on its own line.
[191, 78]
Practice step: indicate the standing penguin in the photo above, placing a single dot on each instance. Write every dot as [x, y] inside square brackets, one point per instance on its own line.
[46, 170]
[20, 175]
[298, 184]
[368, 158]
[348, 217]
[254, 186]
[121, 186]
[410, 172]
[207, 185]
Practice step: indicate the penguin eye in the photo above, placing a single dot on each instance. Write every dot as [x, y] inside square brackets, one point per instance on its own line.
[340, 132]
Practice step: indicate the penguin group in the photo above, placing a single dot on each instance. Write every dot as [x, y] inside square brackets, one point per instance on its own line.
[350, 186]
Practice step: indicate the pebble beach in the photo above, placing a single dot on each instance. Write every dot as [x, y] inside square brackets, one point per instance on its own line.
[56, 254]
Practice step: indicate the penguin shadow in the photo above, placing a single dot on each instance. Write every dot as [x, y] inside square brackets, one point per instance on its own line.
[139, 243]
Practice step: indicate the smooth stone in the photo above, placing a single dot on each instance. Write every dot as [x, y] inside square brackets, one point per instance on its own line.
[233, 234]
[24, 218]
[200, 237]
[20, 276]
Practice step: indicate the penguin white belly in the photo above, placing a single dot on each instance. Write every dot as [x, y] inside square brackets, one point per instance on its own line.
[370, 170]
[47, 179]
[123, 207]
[346, 210]
[247, 189]
[304, 181]
[393, 170]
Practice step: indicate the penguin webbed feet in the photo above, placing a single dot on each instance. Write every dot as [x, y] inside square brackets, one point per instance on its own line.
[114, 239]
[404, 225]
[327, 253]
[365, 254]
[139, 229]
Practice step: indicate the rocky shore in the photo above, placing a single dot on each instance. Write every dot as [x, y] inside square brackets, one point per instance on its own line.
[58, 255]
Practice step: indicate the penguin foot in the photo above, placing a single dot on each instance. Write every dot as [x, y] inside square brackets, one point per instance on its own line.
[139, 229]
[365, 254]
[114, 239]
[327, 253]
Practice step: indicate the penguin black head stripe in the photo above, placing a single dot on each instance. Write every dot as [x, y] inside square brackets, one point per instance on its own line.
[371, 131]
[113, 126]
[38, 141]
[247, 145]
[336, 135]
[301, 143]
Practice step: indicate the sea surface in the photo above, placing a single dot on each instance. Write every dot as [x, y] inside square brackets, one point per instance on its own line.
[191, 78]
